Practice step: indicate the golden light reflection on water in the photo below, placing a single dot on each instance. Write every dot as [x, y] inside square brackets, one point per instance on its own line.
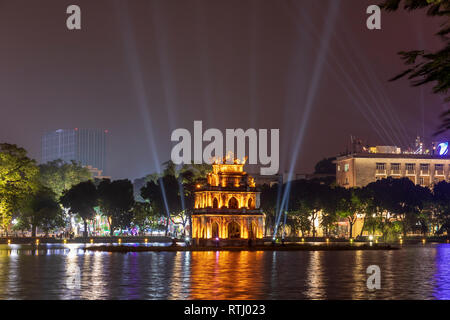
[226, 275]
[315, 276]
[359, 275]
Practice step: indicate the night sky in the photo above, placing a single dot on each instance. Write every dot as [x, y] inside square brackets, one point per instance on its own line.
[143, 68]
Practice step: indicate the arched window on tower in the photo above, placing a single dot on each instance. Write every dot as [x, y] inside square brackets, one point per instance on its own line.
[233, 203]
[234, 230]
[215, 203]
[215, 230]
[251, 204]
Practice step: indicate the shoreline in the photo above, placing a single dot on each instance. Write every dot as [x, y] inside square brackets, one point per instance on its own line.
[287, 247]
[142, 240]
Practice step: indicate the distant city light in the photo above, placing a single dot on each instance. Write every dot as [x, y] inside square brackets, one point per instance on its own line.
[442, 148]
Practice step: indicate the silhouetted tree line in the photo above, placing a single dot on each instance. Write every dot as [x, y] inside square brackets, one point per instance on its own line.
[48, 196]
[389, 206]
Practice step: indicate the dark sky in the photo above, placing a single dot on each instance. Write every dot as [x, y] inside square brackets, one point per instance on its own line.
[143, 68]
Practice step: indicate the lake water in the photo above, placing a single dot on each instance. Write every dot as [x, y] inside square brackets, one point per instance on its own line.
[67, 272]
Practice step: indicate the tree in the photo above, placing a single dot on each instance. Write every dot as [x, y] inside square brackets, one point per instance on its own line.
[188, 178]
[304, 223]
[143, 216]
[18, 179]
[270, 201]
[325, 166]
[401, 199]
[163, 196]
[138, 184]
[428, 67]
[42, 211]
[422, 214]
[116, 201]
[173, 192]
[306, 197]
[59, 175]
[299, 220]
[372, 222]
[331, 199]
[441, 206]
[352, 203]
[81, 199]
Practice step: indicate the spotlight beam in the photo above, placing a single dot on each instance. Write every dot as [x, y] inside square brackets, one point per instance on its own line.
[133, 60]
[331, 16]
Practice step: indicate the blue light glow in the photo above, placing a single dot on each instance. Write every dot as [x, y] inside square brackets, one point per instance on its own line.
[442, 148]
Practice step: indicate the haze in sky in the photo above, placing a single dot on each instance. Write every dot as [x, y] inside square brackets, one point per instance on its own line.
[144, 68]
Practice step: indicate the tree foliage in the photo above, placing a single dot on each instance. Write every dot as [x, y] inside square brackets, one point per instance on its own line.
[59, 175]
[116, 202]
[81, 200]
[143, 216]
[172, 192]
[325, 166]
[18, 179]
[42, 211]
[424, 66]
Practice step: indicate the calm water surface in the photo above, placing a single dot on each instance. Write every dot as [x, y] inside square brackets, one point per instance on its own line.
[67, 272]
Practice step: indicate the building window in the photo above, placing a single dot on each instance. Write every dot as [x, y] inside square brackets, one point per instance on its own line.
[410, 168]
[346, 167]
[381, 168]
[339, 168]
[424, 169]
[439, 169]
[233, 203]
[395, 168]
[424, 181]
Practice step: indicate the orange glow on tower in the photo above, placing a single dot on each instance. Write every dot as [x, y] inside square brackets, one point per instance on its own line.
[228, 206]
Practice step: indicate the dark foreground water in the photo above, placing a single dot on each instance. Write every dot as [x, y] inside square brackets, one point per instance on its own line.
[67, 272]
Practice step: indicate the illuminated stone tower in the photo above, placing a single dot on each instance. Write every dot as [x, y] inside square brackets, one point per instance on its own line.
[228, 206]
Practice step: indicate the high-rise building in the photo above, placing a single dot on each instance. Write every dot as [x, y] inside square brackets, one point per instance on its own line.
[86, 146]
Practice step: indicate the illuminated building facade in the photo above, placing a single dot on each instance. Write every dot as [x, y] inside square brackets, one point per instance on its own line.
[357, 170]
[228, 206]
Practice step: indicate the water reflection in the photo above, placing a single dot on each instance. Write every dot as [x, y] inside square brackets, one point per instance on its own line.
[315, 276]
[68, 272]
[72, 277]
[180, 280]
[227, 275]
[442, 275]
